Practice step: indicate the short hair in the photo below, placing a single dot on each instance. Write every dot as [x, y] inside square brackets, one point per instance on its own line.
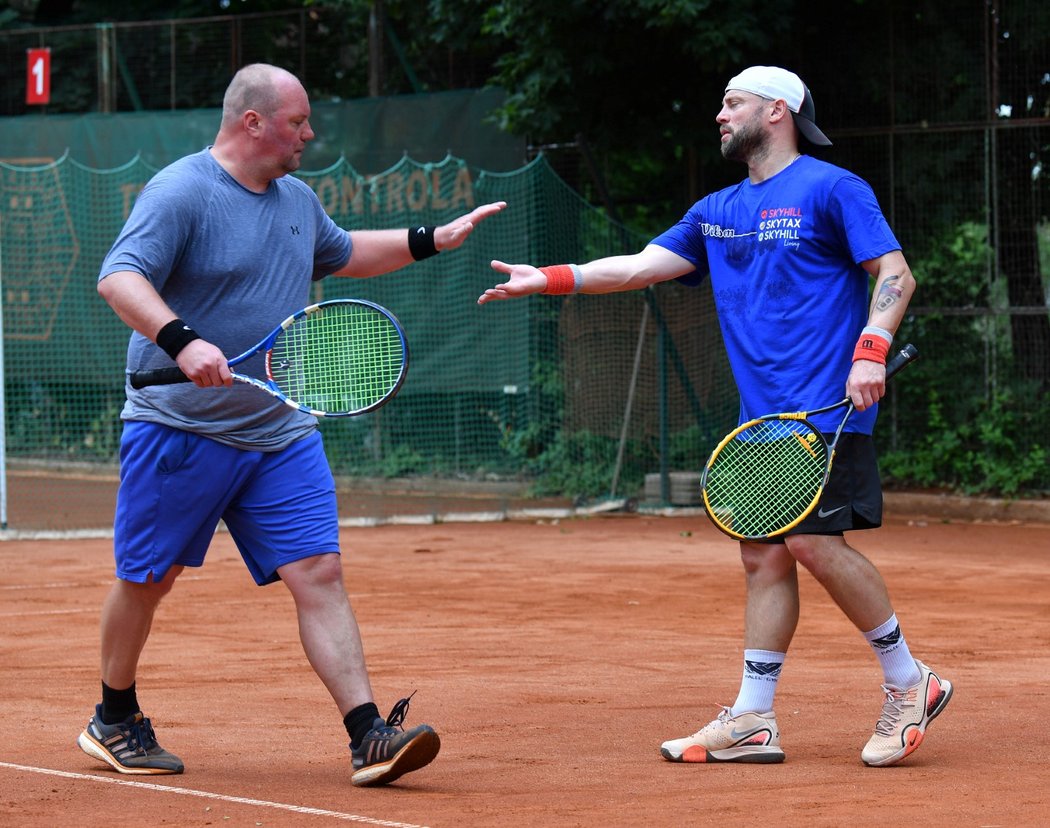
[253, 87]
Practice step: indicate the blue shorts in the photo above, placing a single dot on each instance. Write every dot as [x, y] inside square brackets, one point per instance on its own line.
[175, 487]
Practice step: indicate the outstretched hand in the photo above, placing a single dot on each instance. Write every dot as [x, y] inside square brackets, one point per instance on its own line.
[524, 280]
[452, 235]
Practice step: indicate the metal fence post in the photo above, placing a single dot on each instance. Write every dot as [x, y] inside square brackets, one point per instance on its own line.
[107, 85]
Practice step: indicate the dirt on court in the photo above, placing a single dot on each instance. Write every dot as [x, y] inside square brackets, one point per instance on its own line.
[553, 656]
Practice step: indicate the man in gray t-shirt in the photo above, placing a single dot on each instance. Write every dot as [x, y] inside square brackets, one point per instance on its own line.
[219, 248]
[233, 262]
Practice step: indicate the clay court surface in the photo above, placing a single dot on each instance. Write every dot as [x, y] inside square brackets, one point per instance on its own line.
[553, 656]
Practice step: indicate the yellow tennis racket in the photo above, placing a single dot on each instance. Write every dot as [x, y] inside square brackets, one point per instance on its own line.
[768, 474]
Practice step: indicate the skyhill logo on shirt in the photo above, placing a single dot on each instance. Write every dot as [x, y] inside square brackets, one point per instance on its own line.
[780, 223]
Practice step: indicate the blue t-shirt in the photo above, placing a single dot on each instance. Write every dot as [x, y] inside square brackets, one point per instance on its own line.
[784, 257]
[234, 264]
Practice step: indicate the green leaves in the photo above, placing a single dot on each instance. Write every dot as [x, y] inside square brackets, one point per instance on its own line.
[996, 451]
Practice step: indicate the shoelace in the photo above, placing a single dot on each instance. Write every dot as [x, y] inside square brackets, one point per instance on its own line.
[141, 736]
[893, 709]
[399, 711]
[721, 719]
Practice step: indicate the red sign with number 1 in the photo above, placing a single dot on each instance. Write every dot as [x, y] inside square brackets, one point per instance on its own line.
[38, 76]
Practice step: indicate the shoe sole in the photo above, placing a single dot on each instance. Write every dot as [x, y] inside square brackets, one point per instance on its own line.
[418, 753]
[915, 739]
[700, 755]
[93, 749]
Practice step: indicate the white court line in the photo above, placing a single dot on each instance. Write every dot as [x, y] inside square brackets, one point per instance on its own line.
[425, 519]
[56, 585]
[55, 534]
[70, 585]
[240, 800]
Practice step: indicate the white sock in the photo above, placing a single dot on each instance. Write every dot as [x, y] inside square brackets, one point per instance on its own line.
[898, 666]
[761, 673]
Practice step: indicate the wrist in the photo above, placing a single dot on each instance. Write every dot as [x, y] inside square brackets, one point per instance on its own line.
[421, 242]
[175, 336]
[562, 279]
[873, 344]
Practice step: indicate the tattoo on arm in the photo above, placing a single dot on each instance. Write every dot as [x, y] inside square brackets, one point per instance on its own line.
[889, 293]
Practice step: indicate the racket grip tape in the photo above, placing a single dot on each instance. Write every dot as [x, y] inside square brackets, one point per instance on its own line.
[157, 376]
[905, 356]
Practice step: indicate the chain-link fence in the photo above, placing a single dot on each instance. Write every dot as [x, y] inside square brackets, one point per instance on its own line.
[186, 63]
[585, 396]
[174, 64]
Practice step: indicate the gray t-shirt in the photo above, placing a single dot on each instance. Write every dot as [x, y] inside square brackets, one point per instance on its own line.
[233, 264]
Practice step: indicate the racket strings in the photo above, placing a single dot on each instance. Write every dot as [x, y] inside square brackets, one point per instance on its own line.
[339, 358]
[764, 478]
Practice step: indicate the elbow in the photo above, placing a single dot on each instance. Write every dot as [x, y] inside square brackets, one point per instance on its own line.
[115, 285]
[907, 285]
[104, 289]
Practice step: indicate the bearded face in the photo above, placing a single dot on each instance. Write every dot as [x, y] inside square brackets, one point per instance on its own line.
[747, 139]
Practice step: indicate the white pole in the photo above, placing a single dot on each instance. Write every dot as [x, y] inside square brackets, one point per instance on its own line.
[630, 400]
[3, 402]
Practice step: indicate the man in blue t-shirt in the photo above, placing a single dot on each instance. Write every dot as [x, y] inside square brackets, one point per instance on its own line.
[790, 251]
[220, 247]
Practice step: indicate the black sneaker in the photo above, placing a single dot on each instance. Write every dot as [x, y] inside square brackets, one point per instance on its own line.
[129, 746]
[388, 751]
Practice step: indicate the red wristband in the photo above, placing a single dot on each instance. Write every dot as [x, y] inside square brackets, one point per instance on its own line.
[871, 347]
[560, 279]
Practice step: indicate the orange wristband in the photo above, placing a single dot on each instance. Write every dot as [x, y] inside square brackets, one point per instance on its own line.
[871, 346]
[560, 279]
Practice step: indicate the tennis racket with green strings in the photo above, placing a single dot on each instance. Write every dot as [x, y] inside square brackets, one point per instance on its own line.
[768, 474]
[338, 358]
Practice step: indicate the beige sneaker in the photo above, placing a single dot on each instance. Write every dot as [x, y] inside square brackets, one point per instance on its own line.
[749, 737]
[905, 717]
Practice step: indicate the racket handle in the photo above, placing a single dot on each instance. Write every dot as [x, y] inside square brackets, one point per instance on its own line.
[157, 376]
[906, 355]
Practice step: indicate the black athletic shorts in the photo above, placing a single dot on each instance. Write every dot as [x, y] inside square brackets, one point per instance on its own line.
[853, 497]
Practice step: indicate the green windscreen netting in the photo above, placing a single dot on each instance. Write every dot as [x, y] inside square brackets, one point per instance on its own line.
[547, 397]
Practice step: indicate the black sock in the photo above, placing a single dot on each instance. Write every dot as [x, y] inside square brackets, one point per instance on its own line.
[359, 721]
[118, 705]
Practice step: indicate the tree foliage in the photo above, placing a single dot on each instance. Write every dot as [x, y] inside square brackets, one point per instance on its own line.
[639, 83]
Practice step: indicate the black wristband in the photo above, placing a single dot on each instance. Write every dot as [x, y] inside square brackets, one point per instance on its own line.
[421, 242]
[175, 336]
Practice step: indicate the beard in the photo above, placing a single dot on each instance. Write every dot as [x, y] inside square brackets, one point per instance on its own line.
[292, 163]
[748, 141]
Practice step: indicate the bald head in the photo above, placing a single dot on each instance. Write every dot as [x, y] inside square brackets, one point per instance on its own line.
[265, 125]
[258, 86]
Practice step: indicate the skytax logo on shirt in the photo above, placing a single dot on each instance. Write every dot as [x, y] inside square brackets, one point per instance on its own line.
[783, 223]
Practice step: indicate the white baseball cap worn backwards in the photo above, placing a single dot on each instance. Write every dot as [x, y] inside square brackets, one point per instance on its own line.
[775, 83]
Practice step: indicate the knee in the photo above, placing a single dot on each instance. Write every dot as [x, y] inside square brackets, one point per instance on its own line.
[802, 549]
[149, 593]
[315, 571]
[770, 560]
[811, 551]
[158, 589]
